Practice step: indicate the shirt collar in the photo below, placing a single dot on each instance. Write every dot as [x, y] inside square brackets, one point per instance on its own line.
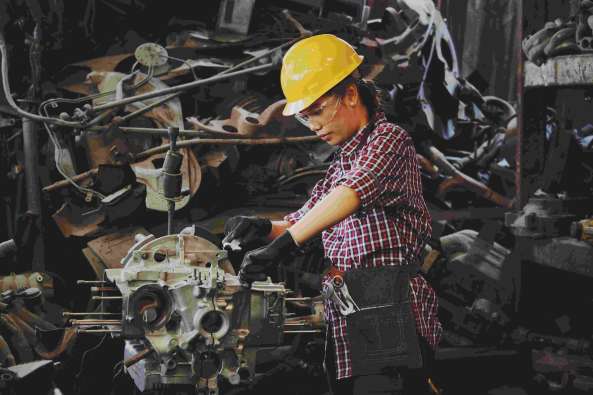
[350, 145]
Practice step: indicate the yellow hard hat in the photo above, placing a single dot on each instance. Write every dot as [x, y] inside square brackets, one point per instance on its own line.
[313, 66]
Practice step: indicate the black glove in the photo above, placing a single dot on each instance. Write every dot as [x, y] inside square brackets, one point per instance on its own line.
[256, 262]
[245, 230]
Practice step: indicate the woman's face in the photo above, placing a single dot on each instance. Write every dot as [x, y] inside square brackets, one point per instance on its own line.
[335, 119]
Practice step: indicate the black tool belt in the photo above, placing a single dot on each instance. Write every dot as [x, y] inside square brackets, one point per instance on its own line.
[382, 329]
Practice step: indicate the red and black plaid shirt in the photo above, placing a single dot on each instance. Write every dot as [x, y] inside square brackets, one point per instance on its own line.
[390, 228]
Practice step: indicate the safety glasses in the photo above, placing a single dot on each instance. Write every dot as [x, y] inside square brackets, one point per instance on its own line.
[317, 114]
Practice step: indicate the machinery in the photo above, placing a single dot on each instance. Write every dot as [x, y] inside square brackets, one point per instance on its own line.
[185, 318]
[105, 127]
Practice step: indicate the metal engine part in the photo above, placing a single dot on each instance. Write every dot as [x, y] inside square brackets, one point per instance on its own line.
[475, 291]
[584, 31]
[547, 217]
[185, 317]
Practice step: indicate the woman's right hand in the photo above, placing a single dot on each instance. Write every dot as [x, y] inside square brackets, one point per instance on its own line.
[243, 231]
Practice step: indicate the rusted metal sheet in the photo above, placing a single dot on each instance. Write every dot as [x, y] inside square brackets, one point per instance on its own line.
[561, 71]
[73, 221]
[96, 263]
[111, 248]
[243, 122]
[104, 63]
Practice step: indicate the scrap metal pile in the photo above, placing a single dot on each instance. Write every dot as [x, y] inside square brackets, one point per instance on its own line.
[562, 37]
[105, 127]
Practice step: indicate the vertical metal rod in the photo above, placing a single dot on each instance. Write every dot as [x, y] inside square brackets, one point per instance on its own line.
[173, 133]
[521, 189]
[30, 148]
[31, 154]
[170, 214]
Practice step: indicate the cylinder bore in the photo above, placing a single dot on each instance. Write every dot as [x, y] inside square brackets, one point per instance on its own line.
[213, 323]
[151, 306]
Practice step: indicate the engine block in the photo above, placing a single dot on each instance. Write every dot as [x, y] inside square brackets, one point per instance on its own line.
[187, 320]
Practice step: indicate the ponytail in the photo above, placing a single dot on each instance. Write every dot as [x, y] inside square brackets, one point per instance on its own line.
[369, 94]
[368, 91]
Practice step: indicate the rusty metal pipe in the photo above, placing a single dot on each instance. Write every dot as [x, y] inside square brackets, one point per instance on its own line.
[474, 186]
[104, 289]
[458, 178]
[76, 178]
[196, 122]
[297, 25]
[244, 141]
[207, 131]
[98, 331]
[84, 282]
[107, 298]
[260, 56]
[70, 314]
[147, 108]
[182, 87]
[181, 144]
[438, 158]
[68, 338]
[95, 322]
[138, 357]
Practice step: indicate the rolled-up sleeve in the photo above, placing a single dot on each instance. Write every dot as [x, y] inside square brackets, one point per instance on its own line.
[295, 216]
[317, 193]
[382, 165]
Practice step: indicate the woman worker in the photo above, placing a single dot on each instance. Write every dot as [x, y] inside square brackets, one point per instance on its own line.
[373, 221]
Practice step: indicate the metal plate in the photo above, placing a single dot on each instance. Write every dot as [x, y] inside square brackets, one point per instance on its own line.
[561, 71]
[151, 55]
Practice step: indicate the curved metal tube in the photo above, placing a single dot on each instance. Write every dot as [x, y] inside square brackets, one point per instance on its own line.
[243, 141]
[182, 87]
[11, 102]
[457, 178]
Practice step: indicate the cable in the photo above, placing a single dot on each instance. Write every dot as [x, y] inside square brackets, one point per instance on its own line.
[54, 139]
[100, 117]
[10, 100]
[118, 369]
[188, 64]
[85, 354]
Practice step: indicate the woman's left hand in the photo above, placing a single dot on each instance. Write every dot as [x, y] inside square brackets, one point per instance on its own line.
[257, 262]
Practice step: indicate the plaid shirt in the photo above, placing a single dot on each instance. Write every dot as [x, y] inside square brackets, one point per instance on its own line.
[390, 228]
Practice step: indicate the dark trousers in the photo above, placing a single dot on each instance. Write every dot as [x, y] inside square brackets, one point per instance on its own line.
[400, 381]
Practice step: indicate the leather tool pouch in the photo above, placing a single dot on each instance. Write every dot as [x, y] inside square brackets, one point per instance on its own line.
[382, 333]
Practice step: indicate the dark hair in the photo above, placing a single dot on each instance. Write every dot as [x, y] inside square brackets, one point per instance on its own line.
[369, 94]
